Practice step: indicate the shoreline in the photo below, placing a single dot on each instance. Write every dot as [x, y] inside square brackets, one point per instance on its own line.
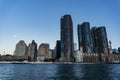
[16, 62]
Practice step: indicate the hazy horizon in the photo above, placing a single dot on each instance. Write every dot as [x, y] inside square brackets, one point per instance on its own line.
[39, 20]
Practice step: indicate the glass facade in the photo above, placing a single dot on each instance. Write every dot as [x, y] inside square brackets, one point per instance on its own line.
[67, 45]
[84, 37]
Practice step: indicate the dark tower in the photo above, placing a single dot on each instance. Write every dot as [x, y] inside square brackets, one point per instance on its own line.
[84, 37]
[94, 35]
[35, 50]
[58, 49]
[79, 31]
[102, 43]
[67, 45]
[102, 40]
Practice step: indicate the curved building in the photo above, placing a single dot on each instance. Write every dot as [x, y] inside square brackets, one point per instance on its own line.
[67, 45]
[102, 40]
[84, 37]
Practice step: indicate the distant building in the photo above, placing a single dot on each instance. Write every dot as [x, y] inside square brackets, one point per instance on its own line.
[84, 37]
[51, 53]
[43, 52]
[79, 31]
[78, 56]
[58, 50]
[94, 35]
[32, 51]
[102, 40]
[75, 47]
[119, 49]
[67, 45]
[20, 49]
[114, 51]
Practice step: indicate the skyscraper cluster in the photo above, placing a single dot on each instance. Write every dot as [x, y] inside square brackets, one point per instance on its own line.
[90, 41]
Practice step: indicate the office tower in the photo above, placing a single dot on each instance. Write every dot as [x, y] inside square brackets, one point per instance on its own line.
[102, 40]
[84, 37]
[94, 35]
[43, 52]
[32, 51]
[21, 48]
[67, 45]
[79, 31]
[58, 49]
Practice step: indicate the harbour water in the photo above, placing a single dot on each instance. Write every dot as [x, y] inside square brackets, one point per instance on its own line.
[59, 71]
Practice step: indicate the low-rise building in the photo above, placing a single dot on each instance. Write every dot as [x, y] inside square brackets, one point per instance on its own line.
[78, 56]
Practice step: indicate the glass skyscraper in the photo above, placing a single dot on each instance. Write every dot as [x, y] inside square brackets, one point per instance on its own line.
[94, 35]
[67, 45]
[102, 40]
[84, 37]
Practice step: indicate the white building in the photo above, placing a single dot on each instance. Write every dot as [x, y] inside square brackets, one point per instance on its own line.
[78, 56]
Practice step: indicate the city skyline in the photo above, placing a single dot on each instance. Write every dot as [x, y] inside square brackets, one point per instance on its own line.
[39, 20]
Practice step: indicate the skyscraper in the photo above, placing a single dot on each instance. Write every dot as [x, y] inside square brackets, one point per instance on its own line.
[43, 51]
[32, 51]
[94, 35]
[84, 37]
[102, 40]
[79, 31]
[67, 45]
[21, 48]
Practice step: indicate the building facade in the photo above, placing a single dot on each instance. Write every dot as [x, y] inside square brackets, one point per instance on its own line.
[21, 48]
[102, 40]
[32, 51]
[58, 50]
[43, 52]
[67, 45]
[78, 56]
[84, 37]
[94, 35]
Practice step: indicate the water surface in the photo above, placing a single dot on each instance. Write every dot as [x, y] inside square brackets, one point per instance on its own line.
[59, 71]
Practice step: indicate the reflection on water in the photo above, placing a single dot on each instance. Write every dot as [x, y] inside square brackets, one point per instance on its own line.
[59, 72]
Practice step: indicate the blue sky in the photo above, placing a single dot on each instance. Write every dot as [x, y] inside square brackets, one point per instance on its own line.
[40, 20]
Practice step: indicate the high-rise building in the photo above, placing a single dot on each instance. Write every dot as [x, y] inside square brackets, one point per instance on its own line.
[102, 40]
[32, 51]
[67, 45]
[94, 35]
[84, 37]
[79, 31]
[43, 51]
[21, 48]
[99, 38]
